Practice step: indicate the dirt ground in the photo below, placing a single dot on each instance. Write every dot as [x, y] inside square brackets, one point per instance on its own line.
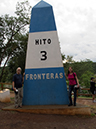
[17, 120]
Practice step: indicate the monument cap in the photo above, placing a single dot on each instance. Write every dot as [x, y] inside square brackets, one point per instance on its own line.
[42, 18]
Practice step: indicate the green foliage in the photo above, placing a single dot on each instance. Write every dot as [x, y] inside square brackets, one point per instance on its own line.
[69, 59]
[6, 75]
[80, 67]
[94, 67]
[84, 70]
[92, 114]
[12, 27]
[63, 57]
[85, 78]
[18, 60]
[2, 37]
[13, 44]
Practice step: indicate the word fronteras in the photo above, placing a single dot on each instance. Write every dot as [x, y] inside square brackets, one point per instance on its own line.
[44, 76]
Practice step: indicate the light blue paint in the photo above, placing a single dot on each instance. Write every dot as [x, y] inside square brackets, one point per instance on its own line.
[42, 18]
[45, 91]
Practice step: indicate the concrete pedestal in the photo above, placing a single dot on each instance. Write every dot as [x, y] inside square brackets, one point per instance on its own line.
[53, 109]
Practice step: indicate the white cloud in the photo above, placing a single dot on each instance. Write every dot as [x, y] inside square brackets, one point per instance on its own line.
[76, 25]
[78, 33]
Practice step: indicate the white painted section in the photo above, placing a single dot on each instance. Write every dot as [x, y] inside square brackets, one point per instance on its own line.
[33, 58]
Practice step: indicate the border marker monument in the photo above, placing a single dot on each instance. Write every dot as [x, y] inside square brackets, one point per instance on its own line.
[44, 82]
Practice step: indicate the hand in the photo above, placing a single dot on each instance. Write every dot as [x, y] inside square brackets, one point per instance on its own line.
[14, 89]
[66, 76]
[23, 74]
[78, 85]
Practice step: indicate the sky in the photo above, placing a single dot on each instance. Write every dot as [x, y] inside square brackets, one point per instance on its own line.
[76, 25]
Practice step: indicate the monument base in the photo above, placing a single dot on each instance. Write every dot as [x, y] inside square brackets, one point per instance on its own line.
[52, 109]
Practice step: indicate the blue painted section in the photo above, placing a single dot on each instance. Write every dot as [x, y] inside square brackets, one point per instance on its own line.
[42, 18]
[49, 90]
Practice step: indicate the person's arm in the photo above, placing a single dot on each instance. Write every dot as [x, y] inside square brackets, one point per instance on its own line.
[13, 85]
[23, 78]
[66, 76]
[77, 80]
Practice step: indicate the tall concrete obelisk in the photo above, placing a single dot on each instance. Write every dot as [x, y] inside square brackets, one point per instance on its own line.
[44, 82]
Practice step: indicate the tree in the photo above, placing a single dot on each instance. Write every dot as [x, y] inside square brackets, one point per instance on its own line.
[85, 78]
[94, 67]
[17, 59]
[12, 26]
[1, 35]
[63, 57]
[80, 67]
[70, 59]
[68, 62]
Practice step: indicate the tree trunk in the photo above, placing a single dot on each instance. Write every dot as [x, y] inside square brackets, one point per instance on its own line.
[4, 68]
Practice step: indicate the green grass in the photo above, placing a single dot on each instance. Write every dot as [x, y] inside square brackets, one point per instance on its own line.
[84, 97]
[92, 114]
